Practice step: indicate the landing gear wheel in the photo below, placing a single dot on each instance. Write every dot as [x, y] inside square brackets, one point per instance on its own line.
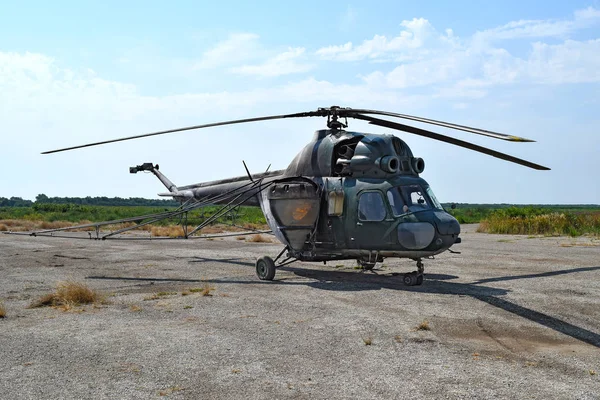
[410, 279]
[419, 279]
[367, 266]
[265, 268]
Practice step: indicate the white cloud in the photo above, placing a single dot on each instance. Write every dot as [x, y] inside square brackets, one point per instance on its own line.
[238, 47]
[414, 36]
[348, 19]
[282, 64]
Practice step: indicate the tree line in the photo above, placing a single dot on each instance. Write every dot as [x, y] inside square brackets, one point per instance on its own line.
[88, 201]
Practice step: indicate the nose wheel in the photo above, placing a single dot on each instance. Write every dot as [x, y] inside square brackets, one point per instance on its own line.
[414, 278]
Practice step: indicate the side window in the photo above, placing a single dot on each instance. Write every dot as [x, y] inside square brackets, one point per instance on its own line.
[396, 201]
[371, 207]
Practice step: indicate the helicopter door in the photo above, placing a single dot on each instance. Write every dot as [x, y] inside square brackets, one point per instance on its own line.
[369, 224]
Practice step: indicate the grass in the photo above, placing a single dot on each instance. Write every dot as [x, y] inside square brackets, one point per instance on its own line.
[2, 311]
[250, 217]
[423, 326]
[68, 294]
[258, 238]
[204, 290]
[541, 221]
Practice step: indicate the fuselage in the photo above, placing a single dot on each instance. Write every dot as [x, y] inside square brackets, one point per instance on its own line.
[347, 195]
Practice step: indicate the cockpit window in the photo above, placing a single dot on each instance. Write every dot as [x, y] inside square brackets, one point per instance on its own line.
[371, 207]
[396, 201]
[434, 200]
[411, 198]
[415, 199]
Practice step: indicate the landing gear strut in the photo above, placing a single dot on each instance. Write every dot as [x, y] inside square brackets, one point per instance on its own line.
[415, 278]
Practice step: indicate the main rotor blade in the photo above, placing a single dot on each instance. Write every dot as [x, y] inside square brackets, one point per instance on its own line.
[445, 124]
[447, 139]
[318, 113]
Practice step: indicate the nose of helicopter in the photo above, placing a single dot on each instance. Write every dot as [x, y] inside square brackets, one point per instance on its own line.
[434, 230]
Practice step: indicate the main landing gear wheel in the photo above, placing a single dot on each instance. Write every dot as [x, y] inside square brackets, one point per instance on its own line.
[414, 278]
[265, 268]
[367, 266]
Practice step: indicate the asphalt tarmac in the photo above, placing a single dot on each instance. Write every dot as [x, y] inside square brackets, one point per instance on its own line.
[510, 317]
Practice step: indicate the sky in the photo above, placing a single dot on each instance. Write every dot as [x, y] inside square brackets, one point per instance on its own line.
[74, 72]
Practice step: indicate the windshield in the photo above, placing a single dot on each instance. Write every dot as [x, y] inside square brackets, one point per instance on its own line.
[415, 198]
[411, 198]
[434, 200]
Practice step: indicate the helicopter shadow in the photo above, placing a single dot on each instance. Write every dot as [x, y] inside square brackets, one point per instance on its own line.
[338, 280]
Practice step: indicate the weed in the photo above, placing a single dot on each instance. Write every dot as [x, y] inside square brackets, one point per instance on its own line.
[258, 238]
[236, 371]
[187, 307]
[240, 238]
[68, 294]
[398, 339]
[592, 372]
[135, 308]
[531, 363]
[168, 391]
[540, 221]
[367, 340]
[162, 294]
[2, 311]
[152, 297]
[167, 231]
[195, 290]
[206, 291]
[423, 326]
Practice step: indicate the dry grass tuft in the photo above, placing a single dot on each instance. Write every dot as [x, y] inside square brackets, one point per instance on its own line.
[55, 224]
[423, 326]
[3, 228]
[240, 238]
[2, 311]
[206, 290]
[367, 340]
[68, 294]
[592, 372]
[168, 391]
[398, 339]
[167, 231]
[258, 238]
[135, 308]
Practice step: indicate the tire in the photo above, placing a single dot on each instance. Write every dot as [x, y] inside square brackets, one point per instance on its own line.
[410, 279]
[367, 266]
[265, 268]
[420, 280]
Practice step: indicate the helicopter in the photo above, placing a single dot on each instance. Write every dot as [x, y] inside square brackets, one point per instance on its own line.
[346, 195]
